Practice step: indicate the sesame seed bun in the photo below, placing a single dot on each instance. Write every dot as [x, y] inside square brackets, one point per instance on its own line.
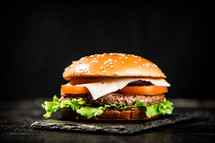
[112, 65]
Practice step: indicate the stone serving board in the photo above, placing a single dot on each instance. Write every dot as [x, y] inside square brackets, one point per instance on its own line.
[117, 127]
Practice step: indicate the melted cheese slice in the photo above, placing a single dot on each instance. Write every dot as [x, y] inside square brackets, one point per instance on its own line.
[99, 89]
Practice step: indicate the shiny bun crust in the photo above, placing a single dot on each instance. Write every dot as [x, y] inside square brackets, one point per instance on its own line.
[112, 65]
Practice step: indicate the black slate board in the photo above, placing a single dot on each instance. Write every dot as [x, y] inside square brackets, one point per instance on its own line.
[122, 127]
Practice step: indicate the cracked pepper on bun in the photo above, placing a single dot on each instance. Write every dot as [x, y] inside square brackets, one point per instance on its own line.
[111, 86]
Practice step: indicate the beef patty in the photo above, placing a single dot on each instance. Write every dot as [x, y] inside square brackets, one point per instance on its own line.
[116, 98]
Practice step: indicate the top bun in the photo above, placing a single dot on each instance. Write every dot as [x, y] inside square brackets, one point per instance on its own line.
[112, 65]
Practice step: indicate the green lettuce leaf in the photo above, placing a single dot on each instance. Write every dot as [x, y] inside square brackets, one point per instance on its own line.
[74, 104]
[51, 106]
[88, 111]
[164, 107]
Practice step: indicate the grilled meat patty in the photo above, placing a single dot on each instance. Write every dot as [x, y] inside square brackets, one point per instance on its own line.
[116, 98]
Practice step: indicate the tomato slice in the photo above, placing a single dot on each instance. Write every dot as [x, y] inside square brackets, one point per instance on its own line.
[145, 90]
[71, 89]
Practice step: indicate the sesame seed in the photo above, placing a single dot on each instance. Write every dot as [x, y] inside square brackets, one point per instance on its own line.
[103, 71]
[105, 62]
[143, 64]
[102, 55]
[81, 68]
[107, 65]
[110, 63]
[126, 57]
[134, 56]
[115, 61]
[94, 61]
[136, 62]
[148, 64]
[139, 59]
[122, 62]
[120, 58]
[112, 66]
[101, 68]
[154, 65]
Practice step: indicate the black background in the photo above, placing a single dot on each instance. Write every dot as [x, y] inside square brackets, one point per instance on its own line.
[41, 39]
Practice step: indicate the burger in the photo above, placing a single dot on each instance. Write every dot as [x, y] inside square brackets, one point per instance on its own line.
[111, 86]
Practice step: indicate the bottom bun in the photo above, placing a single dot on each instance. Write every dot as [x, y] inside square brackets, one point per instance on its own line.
[109, 115]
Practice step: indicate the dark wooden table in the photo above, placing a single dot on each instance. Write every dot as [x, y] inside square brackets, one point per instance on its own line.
[16, 117]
